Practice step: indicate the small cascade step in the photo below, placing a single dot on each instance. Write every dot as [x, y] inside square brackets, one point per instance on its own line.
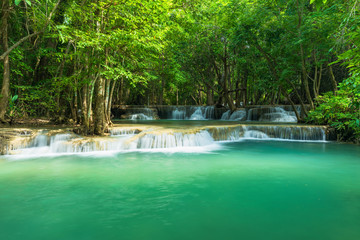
[157, 137]
[279, 132]
[167, 112]
[279, 113]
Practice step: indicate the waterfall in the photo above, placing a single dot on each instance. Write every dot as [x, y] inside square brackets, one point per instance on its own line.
[59, 143]
[173, 140]
[281, 132]
[271, 114]
[197, 115]
[130, 138]
[40, 140]
[209, 112]
[255, 134]
[278, 114]
[193, 113]
[283, 113]
[226, 115]
[179, 114]
[202, 113]
[123, 131]
[238, 115]
[140, 113]
[140, 116]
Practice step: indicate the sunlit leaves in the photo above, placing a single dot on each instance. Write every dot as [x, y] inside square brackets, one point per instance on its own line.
[28, 2]
[341, 111]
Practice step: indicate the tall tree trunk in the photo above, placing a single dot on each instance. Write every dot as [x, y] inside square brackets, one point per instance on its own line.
[84, 109]
[305, 78]
[318, 83]
[99, 110]
[237, 90]
[177, 96]
[237, 93]
[210, 96]
[333, 80]
[110, 102]
[162, 75]
[75, 105]
[227, 96]
[317, 76]
[5, 89]
[106, 99]
[120, 92]
[302, 55]
[90, 97]
[244, 86]
[72, 103]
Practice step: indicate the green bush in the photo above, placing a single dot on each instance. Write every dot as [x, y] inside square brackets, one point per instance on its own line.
[341, 111]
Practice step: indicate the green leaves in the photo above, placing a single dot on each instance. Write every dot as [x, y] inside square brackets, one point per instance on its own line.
[318, 1]
[14, 98]
[341, 111]
[26, 1]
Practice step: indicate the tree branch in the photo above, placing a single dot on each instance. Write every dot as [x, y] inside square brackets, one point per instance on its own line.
[18, 43]
[31, 35]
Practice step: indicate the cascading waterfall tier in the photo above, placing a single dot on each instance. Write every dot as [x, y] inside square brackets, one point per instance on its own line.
[155, 137]
[280, 132]
[170, 139]
[167, 112]
[193, 113]
[283, 114]
[258, 113]
[238, 115]
[139, 113]
[273, 114]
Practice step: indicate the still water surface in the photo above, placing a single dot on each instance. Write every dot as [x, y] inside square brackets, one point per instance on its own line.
[245, 190]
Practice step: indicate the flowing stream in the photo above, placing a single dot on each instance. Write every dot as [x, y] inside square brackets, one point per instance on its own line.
[181, 180]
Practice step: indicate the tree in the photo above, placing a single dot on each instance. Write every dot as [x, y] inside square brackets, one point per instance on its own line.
[7, 8]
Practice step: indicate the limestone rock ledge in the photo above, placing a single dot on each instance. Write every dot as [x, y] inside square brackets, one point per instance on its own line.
[15, 138]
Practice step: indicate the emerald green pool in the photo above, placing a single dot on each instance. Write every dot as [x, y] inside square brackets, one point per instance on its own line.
[245, 190]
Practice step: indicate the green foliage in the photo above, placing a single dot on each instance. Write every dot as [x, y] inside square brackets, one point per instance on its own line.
[12, 106]
[341, 111]
[28, 2]
[33, 101]
[181, 51]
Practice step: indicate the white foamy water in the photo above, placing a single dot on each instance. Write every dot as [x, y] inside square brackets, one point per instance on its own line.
[272, 114]
[226, 115]
[140, 116]
[254, 134]
[167, 140]
[178, 114]
[123, 131]
[197, 115]
[193, 113]
[174, 140]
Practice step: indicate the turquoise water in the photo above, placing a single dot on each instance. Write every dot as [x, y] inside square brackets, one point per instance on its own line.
[246, 190]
